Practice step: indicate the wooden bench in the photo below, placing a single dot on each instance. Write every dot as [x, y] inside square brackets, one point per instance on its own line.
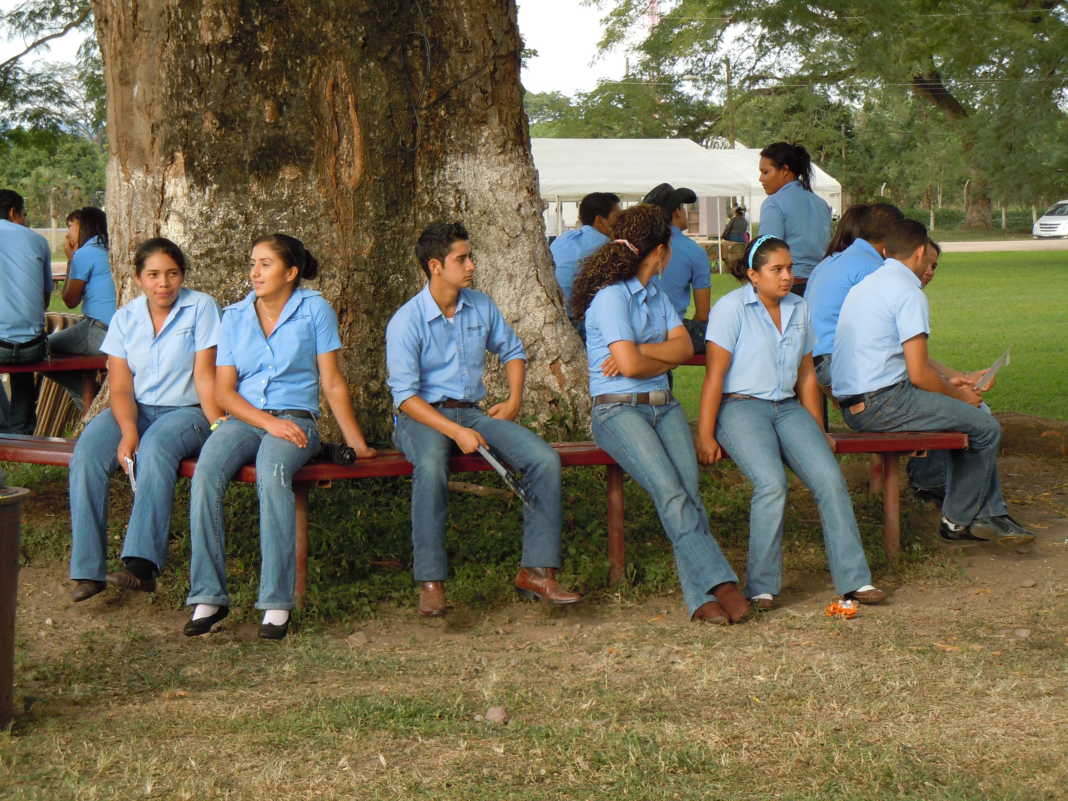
[61, 364]
[888, 447]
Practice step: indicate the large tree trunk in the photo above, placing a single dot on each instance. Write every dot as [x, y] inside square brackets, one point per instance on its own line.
[350, 125]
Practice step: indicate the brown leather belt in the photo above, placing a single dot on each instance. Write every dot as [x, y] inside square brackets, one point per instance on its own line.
[449, 403]
[739, 396]
[659, 397]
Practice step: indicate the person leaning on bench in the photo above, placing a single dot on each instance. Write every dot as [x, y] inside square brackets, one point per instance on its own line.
[883, 379]
[25, 286]
[161, 369]
[275, 349]
[634, 336]
[761, 402]
[436, 346]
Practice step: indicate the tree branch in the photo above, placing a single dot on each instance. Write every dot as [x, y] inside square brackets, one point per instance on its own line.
[932, 88]
[70, 26]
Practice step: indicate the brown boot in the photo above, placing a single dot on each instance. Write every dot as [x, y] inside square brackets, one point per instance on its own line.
[86, 588]
[733, 602]
[432, 599]
[711, 612]
[540, 583]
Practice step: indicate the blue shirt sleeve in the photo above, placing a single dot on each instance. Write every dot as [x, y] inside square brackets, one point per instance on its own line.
[114, 343]
[402, 356]
[206, 325]
[912, 316]
[725, 324]
[46, 264]
[502, 339]
[700, 277]
[225, 355]
[324, 319]
[81, 265]
[810, 333]
[772, 220]
[609, 309]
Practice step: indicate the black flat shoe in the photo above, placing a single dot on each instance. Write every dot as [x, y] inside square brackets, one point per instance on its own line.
[964, 535]
[269, 631]
[202, 625]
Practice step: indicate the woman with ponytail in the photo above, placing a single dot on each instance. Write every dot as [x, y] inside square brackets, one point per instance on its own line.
[759, 363]
[633, 338]
[793, 212]
[276, 347]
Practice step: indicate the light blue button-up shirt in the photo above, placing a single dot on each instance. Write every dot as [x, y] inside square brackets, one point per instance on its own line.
[569, 249]
[279, 371]
[626, 311]
[764, 361]
[162, 364]
[688, 268]
[803, 220]
[829, 284]
[90, 264]
[436, 358]
[879, 315]
[25, 277]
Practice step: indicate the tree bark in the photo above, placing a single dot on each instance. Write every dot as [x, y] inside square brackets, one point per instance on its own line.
[350, 125]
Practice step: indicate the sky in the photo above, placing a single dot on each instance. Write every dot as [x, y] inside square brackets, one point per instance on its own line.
[564, 32]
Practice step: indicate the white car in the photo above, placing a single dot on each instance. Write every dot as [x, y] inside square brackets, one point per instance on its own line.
[1054, 223]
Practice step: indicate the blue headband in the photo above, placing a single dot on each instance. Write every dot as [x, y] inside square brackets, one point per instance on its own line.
[760, 240]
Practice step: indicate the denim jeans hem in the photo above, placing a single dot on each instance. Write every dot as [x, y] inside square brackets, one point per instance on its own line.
[214, 600]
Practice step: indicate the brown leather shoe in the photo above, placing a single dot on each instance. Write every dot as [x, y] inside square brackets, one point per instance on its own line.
[733, 602]
[128, 581]
[763, 604]
[872, 596]
[432, 599]
[84, 589]
[711, 612]
[539, 583]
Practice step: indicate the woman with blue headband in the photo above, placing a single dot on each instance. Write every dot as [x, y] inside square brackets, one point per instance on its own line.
[633, 338]
[760, 404]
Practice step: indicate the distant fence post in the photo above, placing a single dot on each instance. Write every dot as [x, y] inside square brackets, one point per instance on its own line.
[11, 499]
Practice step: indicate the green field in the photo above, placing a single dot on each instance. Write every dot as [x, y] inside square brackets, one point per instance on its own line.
[981, 304]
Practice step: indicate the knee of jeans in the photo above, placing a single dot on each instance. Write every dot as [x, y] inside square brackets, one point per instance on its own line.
[544, 460]
[770, 489]
[272, 475]
[430, 466]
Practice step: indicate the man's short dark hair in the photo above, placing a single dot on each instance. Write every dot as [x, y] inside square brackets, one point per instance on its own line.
[936, 246]
[596, 204]
[877, 221]
[10, 199]
[904, 237]
[436, 241]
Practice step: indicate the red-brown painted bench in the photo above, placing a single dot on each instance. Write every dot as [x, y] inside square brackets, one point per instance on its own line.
[60, 364]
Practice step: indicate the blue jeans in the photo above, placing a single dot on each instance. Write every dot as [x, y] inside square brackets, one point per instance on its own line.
[760, 435]
[654, 445]
[972, 476]
[429, 451]
[232, 445]
[84, 338]
[168, 435]
[931, 471]
[20, 415]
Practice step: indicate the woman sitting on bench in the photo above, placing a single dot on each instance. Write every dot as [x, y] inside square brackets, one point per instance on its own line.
[759, 361]
[633, 338]
[275, 348]
[161, 369]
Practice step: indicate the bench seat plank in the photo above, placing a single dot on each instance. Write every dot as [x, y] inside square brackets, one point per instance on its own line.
[58, 364]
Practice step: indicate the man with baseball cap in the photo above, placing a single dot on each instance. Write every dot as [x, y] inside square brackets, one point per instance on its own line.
[689, 267]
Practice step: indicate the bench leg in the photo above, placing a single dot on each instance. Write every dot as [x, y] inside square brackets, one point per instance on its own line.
[301, 493]
[88, 389]
[616, 541]
[875, 474]
[891, 506]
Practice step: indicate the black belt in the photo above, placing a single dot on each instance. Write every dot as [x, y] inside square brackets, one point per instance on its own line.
[659, 397]
[37, 340]
[817, 360]
[865, 396]
[303, 413]
[450, 403]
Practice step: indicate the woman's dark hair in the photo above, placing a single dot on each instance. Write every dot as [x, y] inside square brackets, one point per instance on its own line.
[756, 256]
[643, 226]
[293, 254]
[157, 244]
[784, 154]
[849, 228]
[91, 222]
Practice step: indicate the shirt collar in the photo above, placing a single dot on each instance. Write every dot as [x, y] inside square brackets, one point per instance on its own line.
[894, 264]
[634, 286]
[750, 296]
[591, 231]
[865, 247]
[429, 306]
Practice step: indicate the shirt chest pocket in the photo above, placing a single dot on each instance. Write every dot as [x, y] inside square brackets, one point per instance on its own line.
[294, 343]
[793, 337]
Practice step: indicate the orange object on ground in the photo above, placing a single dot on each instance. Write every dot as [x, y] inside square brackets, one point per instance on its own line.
[843, 609]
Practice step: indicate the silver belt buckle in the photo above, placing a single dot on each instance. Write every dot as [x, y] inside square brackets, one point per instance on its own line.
[659, 397]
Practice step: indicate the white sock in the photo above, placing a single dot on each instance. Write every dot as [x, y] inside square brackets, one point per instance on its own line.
[276, 617]
[205, 610]
[764, 596]
[951, 525]
[865, 588]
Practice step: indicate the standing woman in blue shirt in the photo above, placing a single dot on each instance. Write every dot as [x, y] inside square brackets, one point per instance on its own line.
[792, 211]
[633, 338]
[161, 368]
[88, 283]
[759, 363]
[275, 349]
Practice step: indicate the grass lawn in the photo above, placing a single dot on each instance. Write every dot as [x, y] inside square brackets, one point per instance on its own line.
[981, 304]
